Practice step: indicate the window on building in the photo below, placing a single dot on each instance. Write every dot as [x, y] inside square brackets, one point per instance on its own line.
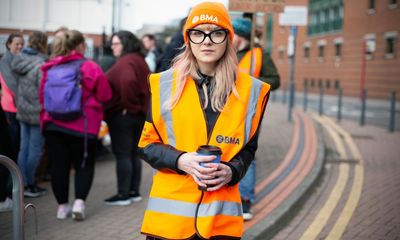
[392, 4]
[326, 26]
[371, 7]
[337, 84]
[338, 50]
[281, 53]
[328, 84]
[341, 11]
[325, 16]
[371, 4]
[306, 52]
[370, 47]
[321, 52]
[331, 14]
[390, 47]
[312, 84]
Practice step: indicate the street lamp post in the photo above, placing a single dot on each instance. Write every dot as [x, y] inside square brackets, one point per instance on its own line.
[292, 55]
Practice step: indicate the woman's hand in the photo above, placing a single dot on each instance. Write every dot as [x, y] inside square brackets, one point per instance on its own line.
[220, 177]
[190, 163]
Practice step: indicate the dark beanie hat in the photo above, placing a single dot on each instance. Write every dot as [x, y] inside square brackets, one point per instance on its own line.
[242, 27]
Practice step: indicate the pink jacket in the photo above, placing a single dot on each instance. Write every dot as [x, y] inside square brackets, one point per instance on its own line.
[96, 91]
[7, 97]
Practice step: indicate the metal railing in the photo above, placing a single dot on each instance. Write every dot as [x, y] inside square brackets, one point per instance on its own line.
[374, 111]
[18, 198]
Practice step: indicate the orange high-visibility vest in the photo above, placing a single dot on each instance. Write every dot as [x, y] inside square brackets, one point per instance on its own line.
[176, 208]
[245, 62]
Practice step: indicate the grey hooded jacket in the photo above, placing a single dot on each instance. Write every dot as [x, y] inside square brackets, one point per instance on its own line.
[27, 67]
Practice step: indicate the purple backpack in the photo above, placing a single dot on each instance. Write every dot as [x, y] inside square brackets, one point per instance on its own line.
[63, 91]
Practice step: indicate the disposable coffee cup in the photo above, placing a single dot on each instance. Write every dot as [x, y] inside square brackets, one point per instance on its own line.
[207, 150]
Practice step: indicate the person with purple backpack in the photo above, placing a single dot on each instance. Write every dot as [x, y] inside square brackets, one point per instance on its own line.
[72, 93]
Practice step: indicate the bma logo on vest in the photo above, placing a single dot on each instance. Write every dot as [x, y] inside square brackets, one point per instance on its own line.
[228, 140]
[205, 17]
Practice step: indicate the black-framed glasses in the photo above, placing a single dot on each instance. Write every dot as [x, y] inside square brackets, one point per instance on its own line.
[217, 36]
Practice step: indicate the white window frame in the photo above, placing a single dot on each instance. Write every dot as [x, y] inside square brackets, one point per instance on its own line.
[338, 41]
[367, 37]
[321, 43]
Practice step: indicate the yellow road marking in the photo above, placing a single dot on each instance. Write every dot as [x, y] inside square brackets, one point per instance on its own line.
[355, 193]
[324, 214]
[335, 136]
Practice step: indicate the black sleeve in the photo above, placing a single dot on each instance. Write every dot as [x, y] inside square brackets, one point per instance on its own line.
[241, 162]
[159, 155]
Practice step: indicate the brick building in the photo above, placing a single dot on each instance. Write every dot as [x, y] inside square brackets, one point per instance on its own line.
[347, 44]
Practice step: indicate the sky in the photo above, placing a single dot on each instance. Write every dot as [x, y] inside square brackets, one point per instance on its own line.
[163, 11]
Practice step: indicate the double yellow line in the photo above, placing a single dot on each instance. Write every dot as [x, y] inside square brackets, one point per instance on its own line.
[341, 138]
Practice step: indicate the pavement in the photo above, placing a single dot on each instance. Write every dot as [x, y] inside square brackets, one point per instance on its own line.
[357, 195]
[291, 164]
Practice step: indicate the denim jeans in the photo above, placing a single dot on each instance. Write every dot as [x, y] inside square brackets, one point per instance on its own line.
[248, 183]
[125, 131]
[30, 152]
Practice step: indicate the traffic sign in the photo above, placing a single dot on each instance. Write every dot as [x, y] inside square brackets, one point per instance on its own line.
[293, 16]
[254, 6]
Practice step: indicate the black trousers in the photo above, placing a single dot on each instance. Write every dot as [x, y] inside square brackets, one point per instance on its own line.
[125, 131]
[7, 149]
[64, 151]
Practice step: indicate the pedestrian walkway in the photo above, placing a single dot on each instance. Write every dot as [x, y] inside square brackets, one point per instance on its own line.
[285, 186]
[289, 163]
[358, 194]
[105, 222]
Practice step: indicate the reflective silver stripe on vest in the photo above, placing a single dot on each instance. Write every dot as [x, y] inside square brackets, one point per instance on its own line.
[165, 94]
[185, 209]
[252, 107]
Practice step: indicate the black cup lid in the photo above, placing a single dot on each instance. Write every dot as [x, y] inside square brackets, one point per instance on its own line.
[209, 150]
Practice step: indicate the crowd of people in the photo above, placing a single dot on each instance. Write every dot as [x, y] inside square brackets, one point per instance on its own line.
[53, 104]
[114, 89]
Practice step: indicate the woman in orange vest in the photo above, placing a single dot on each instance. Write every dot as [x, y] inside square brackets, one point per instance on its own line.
[201, 100]
[263, 68]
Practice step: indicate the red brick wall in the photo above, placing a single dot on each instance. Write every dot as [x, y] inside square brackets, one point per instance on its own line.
[382, 75]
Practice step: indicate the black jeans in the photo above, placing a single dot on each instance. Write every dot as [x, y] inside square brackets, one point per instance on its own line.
[65, 150]
[14, 133]
[125, 131]
[6, 149]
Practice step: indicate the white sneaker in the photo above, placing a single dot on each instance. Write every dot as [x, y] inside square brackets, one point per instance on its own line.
[6, 205]
[247, 216]
[63, 211]
[78, 210]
